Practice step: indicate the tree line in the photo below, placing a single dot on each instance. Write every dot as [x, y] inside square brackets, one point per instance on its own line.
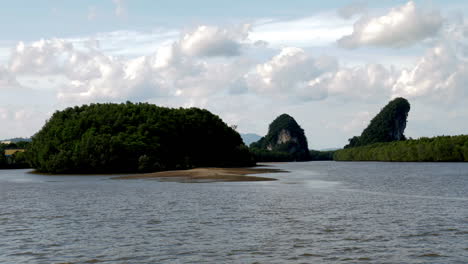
[442, 148]
[16, 161]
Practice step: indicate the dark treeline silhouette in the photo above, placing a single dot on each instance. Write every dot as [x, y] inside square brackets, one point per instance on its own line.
[277, 156]
[443, 148]
[108, 138]
[321, 155]
[17, 160]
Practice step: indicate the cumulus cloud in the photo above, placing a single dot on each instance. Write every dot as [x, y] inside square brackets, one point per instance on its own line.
[173, 70]
[113, 79]
[289, 74]
[185, 68]
[209, 41]
[293, 73]
[41, 57]
[360, 82]
[402, 26]
[90, 74]
[439, 74]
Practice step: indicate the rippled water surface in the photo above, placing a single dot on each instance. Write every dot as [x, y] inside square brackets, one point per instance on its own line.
[320, 212]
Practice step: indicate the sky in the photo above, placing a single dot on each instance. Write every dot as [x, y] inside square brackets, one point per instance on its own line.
[332, 65]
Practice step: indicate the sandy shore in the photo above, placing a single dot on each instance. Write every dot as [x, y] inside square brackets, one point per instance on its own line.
[207, 174]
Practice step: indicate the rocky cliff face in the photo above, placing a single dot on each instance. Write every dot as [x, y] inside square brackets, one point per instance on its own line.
[399, 127]
[286, 136]
[389, 125]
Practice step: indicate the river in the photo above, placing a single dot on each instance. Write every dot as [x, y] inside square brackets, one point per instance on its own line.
[320, 212]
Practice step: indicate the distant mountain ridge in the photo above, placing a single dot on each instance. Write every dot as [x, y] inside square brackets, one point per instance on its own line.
[16, 140]
[329, 149]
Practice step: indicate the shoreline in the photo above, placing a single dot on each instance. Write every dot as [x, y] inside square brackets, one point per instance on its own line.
[207, 174]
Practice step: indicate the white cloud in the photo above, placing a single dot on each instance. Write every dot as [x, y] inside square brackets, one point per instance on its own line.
[184, 69]
[361, 82]
[317, 30]
[41, 57]
[247, 76]
[90, 74]
[107, 78]
[402, 26]
[288, 74]
[173, 70]
[440, 75]
[202, 41]
[203, 66]
[294, 74]
[211, 41]
[126, 43]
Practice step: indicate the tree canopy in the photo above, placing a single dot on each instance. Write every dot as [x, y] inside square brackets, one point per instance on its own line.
[443, 148]
[389, 125]
[105, 138]
[17, 160]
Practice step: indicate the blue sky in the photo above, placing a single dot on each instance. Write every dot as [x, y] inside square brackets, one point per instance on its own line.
[30, 20]
[330, 64]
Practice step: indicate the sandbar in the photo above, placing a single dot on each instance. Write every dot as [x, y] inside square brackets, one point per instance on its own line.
[208, 174]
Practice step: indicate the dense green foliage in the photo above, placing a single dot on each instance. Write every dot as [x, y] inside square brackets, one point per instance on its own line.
[387, 126]
[264, 155]
[105, 138]
[15, 161]
[277, 156]
[444, 148]
[321, 155]
[285, 141]
[3, 160]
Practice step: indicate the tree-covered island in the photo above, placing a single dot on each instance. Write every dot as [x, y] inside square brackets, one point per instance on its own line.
[127, 138]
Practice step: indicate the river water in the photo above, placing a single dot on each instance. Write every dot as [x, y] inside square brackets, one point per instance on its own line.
[320, 212]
